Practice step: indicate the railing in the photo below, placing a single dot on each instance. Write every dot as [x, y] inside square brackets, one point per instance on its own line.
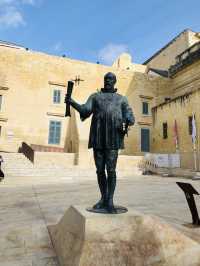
[186, 58]
[27, 151]
[147, 166]
[184, 160]
[43, 148]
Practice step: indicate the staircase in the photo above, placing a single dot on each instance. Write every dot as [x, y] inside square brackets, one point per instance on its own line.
[17, 165]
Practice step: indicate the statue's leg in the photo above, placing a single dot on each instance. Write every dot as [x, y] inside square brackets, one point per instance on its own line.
[99, 159]
[1, 173]
[111, 162]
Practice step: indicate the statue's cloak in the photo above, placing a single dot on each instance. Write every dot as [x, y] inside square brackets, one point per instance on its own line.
[109, 110]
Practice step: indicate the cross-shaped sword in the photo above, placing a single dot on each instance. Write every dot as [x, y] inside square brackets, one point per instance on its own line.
[77, 80]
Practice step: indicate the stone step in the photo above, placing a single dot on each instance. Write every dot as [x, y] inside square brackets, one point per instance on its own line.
[17, 165]
[66, 173]
[64, 170]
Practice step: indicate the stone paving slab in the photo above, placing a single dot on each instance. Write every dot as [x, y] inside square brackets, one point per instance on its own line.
[28, 206]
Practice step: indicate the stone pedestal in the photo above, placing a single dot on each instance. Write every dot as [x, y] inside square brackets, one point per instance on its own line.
[130, 239]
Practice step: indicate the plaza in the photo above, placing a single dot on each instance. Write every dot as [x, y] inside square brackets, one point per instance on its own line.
[131, 70]
[30, 204]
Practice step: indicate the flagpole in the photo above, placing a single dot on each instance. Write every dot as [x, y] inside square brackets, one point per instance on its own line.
[176, 136]
[194, 141]
[197, 137]
[175, 140]
[195, 157]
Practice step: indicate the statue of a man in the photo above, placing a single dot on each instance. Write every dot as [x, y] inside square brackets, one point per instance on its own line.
[111, 118]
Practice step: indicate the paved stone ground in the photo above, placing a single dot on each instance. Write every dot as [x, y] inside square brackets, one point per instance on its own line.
[28, 205]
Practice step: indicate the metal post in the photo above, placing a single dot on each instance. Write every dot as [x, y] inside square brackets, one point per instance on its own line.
[170, 164]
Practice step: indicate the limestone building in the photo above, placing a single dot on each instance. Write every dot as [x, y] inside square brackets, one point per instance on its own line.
[33, 86]
[183, 97]
[178, 100]
[166, 56]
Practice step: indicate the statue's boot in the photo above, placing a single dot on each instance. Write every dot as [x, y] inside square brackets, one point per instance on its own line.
[101, 177]
[1, 175]
[111, 189]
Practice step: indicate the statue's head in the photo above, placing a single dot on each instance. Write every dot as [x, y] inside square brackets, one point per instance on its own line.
[109, 81]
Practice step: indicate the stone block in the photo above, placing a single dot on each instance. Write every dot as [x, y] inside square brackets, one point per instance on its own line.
[130, 239]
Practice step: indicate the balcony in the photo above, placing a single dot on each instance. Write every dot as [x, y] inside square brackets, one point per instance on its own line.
[186, 58]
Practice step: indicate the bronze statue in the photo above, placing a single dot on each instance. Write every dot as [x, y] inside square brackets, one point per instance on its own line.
[111, 117]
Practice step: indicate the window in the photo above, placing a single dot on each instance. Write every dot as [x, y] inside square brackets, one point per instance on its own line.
[145, 108]
[167, 99]
[165, 136]
[190, 125]
[1, 101]
[54, 132]
[56, 96]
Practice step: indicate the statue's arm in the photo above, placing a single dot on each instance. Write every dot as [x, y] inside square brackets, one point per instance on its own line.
[85, 110]
[128, 112]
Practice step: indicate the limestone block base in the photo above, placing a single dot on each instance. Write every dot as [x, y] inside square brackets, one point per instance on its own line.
[130, 239]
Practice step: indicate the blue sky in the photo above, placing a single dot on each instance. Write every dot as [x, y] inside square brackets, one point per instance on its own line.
[96, 30]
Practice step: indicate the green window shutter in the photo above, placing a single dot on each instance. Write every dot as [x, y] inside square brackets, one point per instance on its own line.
[190, 125]
[165, 129]
[54, 132]
[56, 96]
[145, 140]
[145, 108]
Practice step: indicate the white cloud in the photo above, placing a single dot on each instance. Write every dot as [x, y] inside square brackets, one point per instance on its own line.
[11, 18]
[27, 2]
[6, 2]
[111, 51]
[11, 12]
[16, 2]
[57, 46]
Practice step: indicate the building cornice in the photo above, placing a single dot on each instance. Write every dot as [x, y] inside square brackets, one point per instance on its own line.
[3, 119]
[4, 88]
[164, 47]
[55, 114]
[186, 58]
[142, 123]
[146, 97]
[57, 83]
[178, 98]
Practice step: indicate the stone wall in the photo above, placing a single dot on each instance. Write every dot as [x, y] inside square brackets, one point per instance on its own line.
[167, 55]
[27, 81]
[124, 61]
[179, 109]
[186, 80]
[144, 91]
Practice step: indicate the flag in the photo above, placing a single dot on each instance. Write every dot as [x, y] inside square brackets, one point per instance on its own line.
[176, 134]
[194, 131]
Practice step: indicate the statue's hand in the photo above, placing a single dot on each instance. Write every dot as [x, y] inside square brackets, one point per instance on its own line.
[122, 128]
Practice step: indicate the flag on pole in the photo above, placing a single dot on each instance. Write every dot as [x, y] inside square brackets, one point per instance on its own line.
[194, 130]
[176, 134]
